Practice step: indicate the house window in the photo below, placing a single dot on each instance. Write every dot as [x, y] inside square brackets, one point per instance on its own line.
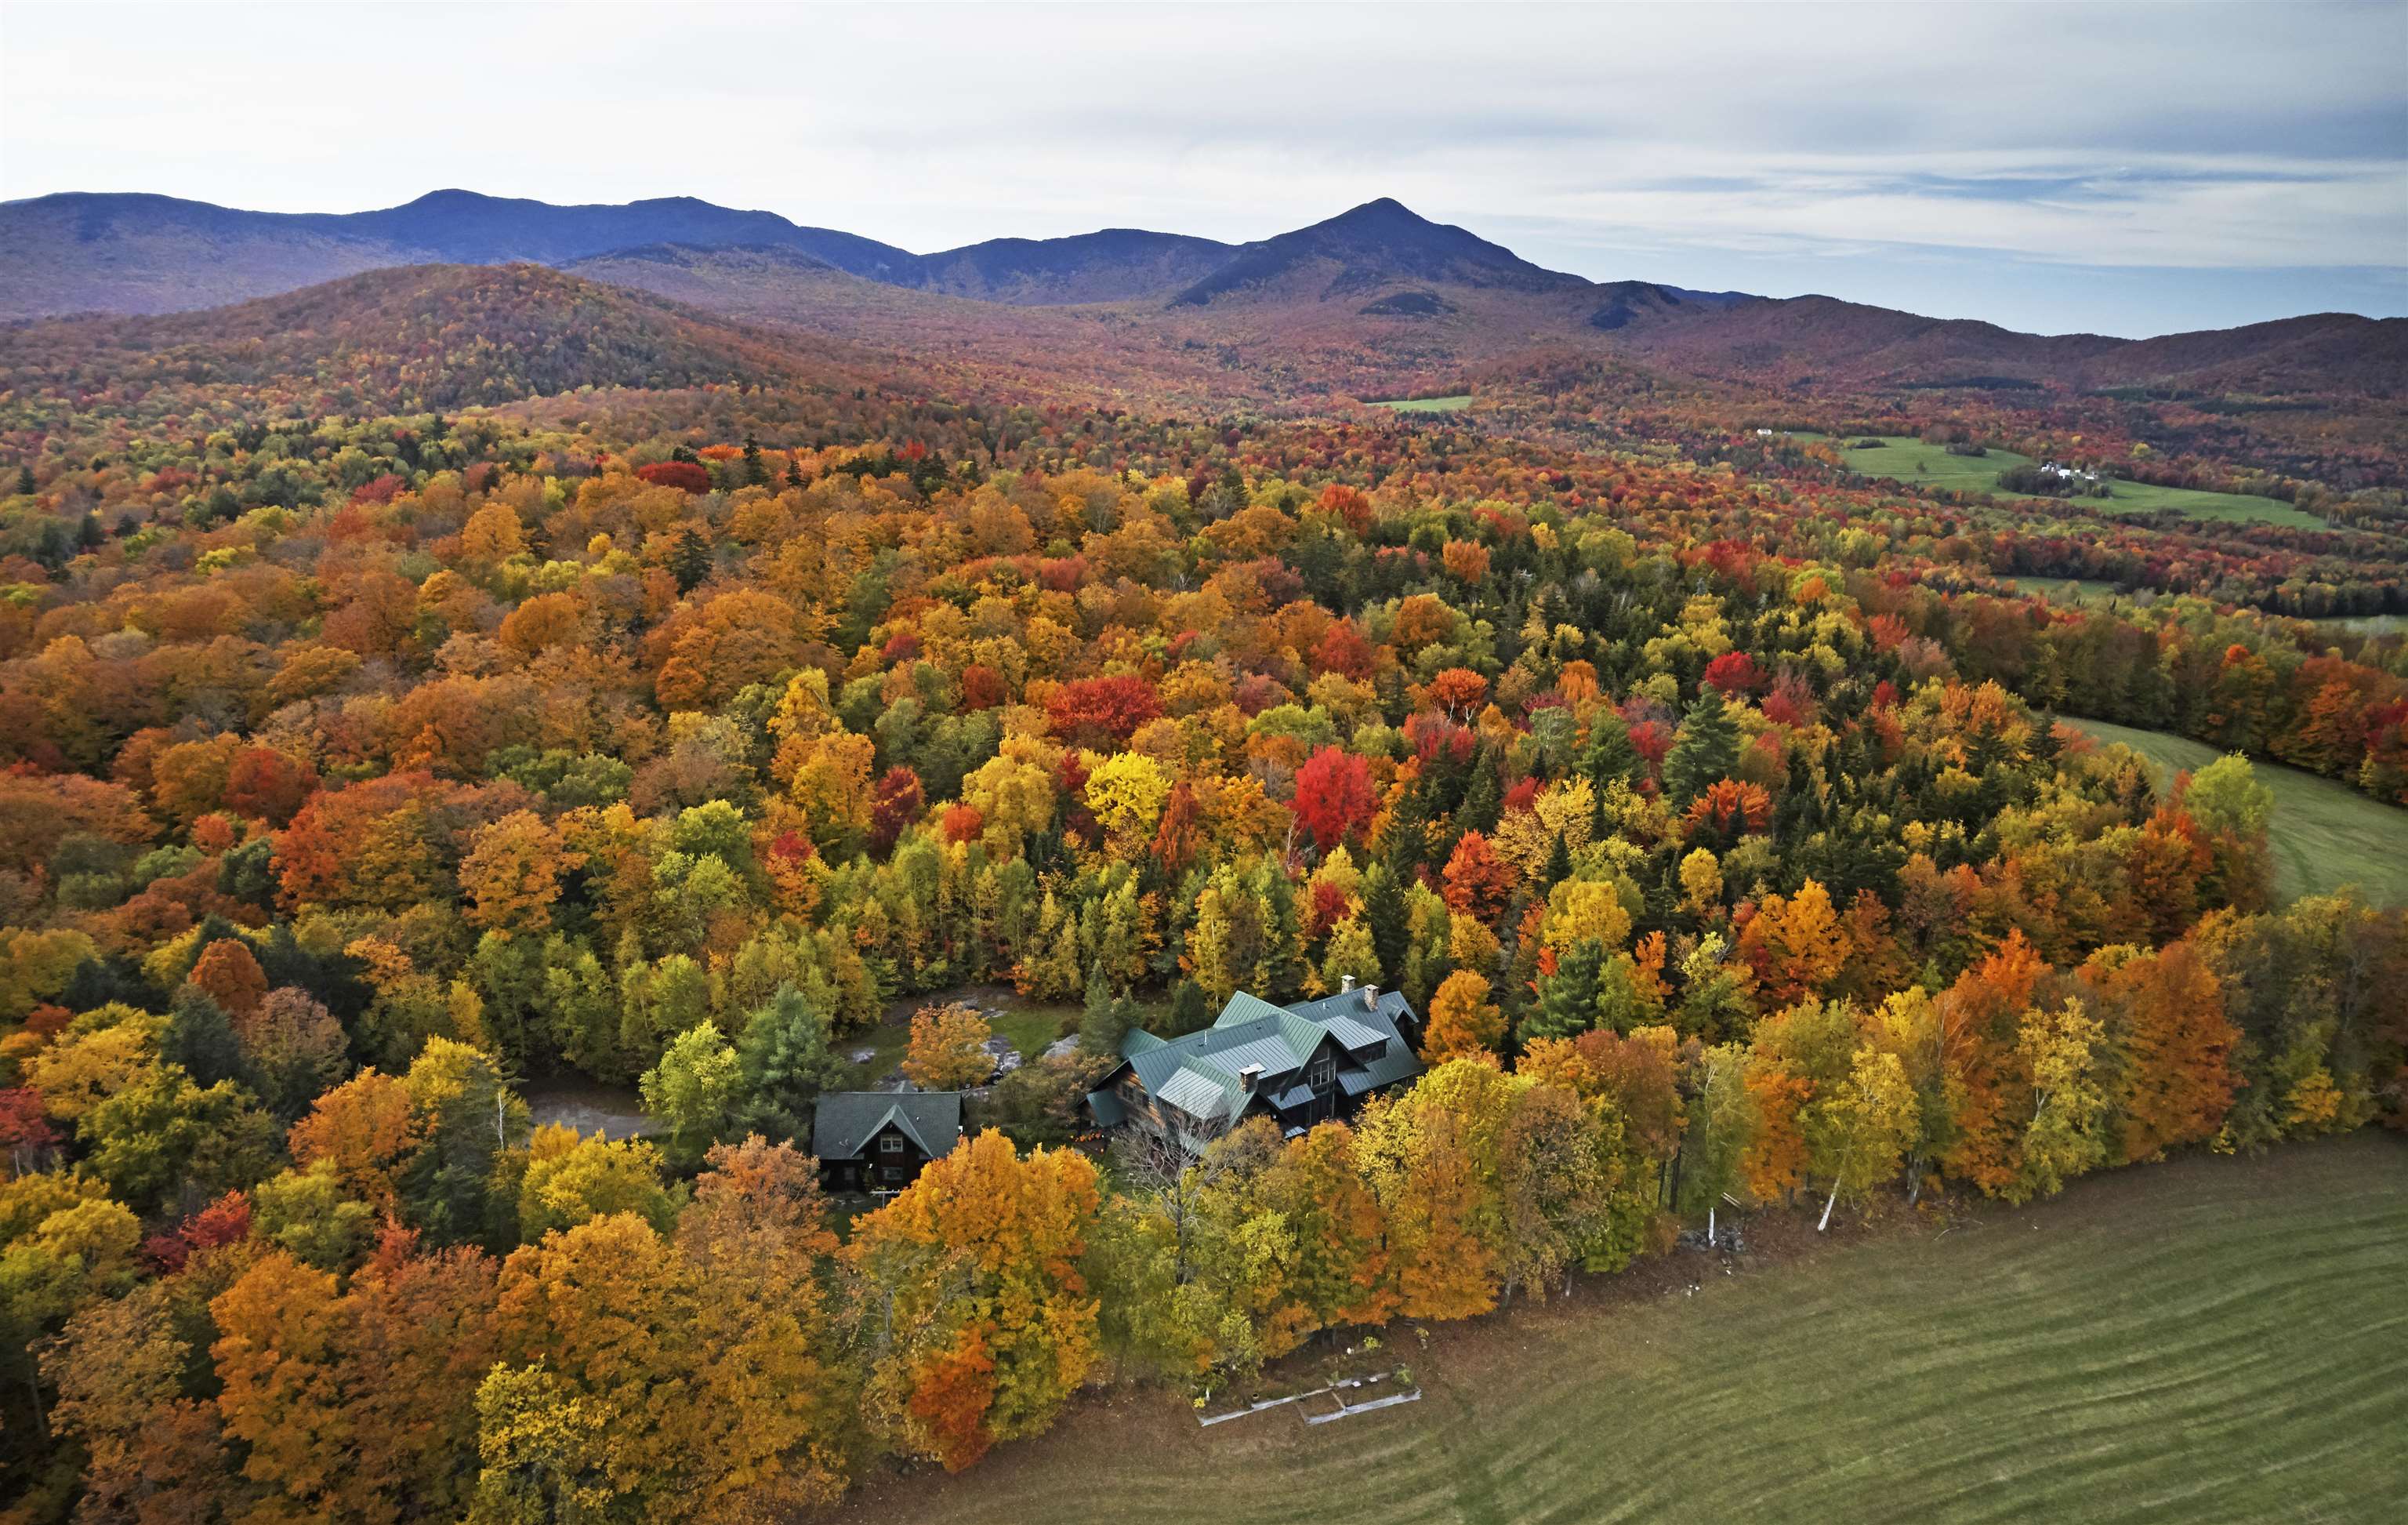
[1323, 1074]
[890, 1144]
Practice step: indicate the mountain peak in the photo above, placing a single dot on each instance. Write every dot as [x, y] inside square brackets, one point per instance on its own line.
[1370, 245]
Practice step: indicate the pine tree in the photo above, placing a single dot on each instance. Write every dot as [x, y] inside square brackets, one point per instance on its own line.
[1707, 750]
[1611, 755]
[200, 1037]
[1567, 998]
[786, 1064]
[1560, 862]
[690, 562]
[1384, 912]
[1483, 797]
[1107, 1017]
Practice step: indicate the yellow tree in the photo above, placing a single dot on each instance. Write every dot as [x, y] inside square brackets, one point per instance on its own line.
[1125, 792]
[510, 876]
[1701, 886]
[1794, 945]
[1340, 1275]
[1463, 1021]
[948, 1050]
[831, 783]
[980, 1324]
[774, 1403]
[1585, 911]
[605, 1310]
[2062, 1049]
[1432, 1158]
[1857, 1127]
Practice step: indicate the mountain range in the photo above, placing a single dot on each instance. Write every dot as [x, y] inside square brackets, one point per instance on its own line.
[1374, 298]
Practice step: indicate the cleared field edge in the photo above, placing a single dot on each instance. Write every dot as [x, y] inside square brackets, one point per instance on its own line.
[1899, 457]
[2204, 1339]
[2323, 834]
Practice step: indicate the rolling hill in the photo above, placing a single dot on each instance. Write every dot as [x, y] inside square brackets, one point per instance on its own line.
[1822, 338]
[411, 338]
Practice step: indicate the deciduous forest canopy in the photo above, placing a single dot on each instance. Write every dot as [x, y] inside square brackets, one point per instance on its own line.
[650, 649]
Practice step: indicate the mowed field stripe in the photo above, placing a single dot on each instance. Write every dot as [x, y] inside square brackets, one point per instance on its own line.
[2206, 1339]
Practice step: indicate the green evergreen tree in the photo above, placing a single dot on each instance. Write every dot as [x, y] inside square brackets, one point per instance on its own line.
[1567, 998]
[1191, 1009]
[1609, 755]
[200, 1037]
[1706, 750]
[1101, 1019]
[690, 562]
[785, 1065]
[1384, 914]
[1560, 862]
[1483, 797]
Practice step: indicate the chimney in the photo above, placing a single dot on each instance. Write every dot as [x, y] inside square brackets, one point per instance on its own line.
[1248, 1076]
[1346, 983]
[1370, 997]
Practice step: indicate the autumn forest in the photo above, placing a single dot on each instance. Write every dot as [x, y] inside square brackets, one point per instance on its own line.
[427, 687]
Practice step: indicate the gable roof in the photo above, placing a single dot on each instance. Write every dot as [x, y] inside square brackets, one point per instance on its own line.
[845, 1121]
[1200, 1073]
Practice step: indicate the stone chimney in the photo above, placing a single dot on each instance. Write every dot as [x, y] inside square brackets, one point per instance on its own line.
[1248, 1076]
[1345, 983]
[1370, 997]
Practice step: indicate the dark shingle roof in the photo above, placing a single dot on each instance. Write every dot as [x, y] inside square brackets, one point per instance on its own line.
[846, 1120]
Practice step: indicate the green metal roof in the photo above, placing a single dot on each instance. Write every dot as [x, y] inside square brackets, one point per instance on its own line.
[1200, 1073]
[844, 1121]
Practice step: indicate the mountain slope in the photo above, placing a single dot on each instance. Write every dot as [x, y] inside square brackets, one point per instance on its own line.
[1821, 337]
[434, 336]
[467, 228]
[1110, 266]
[1378, 243]
[146, 254]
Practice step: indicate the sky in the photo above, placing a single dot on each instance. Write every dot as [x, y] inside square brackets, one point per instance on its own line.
[2120, 168]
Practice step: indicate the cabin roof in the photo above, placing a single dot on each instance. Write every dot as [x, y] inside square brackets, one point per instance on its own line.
[845, 1121]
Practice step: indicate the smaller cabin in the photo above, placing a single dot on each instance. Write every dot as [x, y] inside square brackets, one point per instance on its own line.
[878, 1141]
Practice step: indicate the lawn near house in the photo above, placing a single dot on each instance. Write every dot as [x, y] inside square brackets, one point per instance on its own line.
[2212, 1338]
[1028, 1026]
[1425, 404]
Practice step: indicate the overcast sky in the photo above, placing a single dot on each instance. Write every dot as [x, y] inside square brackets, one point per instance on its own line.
[2124, 168]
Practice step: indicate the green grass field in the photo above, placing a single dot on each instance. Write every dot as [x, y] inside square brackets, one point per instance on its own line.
[2210, 1339]
[1027, 1026]
[2323, 834]
[2366, 625]
[1427, 404]
[1917, 464]
[2068, 590]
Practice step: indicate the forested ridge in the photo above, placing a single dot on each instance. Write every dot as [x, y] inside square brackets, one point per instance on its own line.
[364, 764]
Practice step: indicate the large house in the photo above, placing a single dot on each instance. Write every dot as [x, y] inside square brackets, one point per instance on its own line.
[1297, 1065]
[878, 1141]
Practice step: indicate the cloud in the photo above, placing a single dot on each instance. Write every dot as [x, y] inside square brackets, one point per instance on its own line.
[2257, 137]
